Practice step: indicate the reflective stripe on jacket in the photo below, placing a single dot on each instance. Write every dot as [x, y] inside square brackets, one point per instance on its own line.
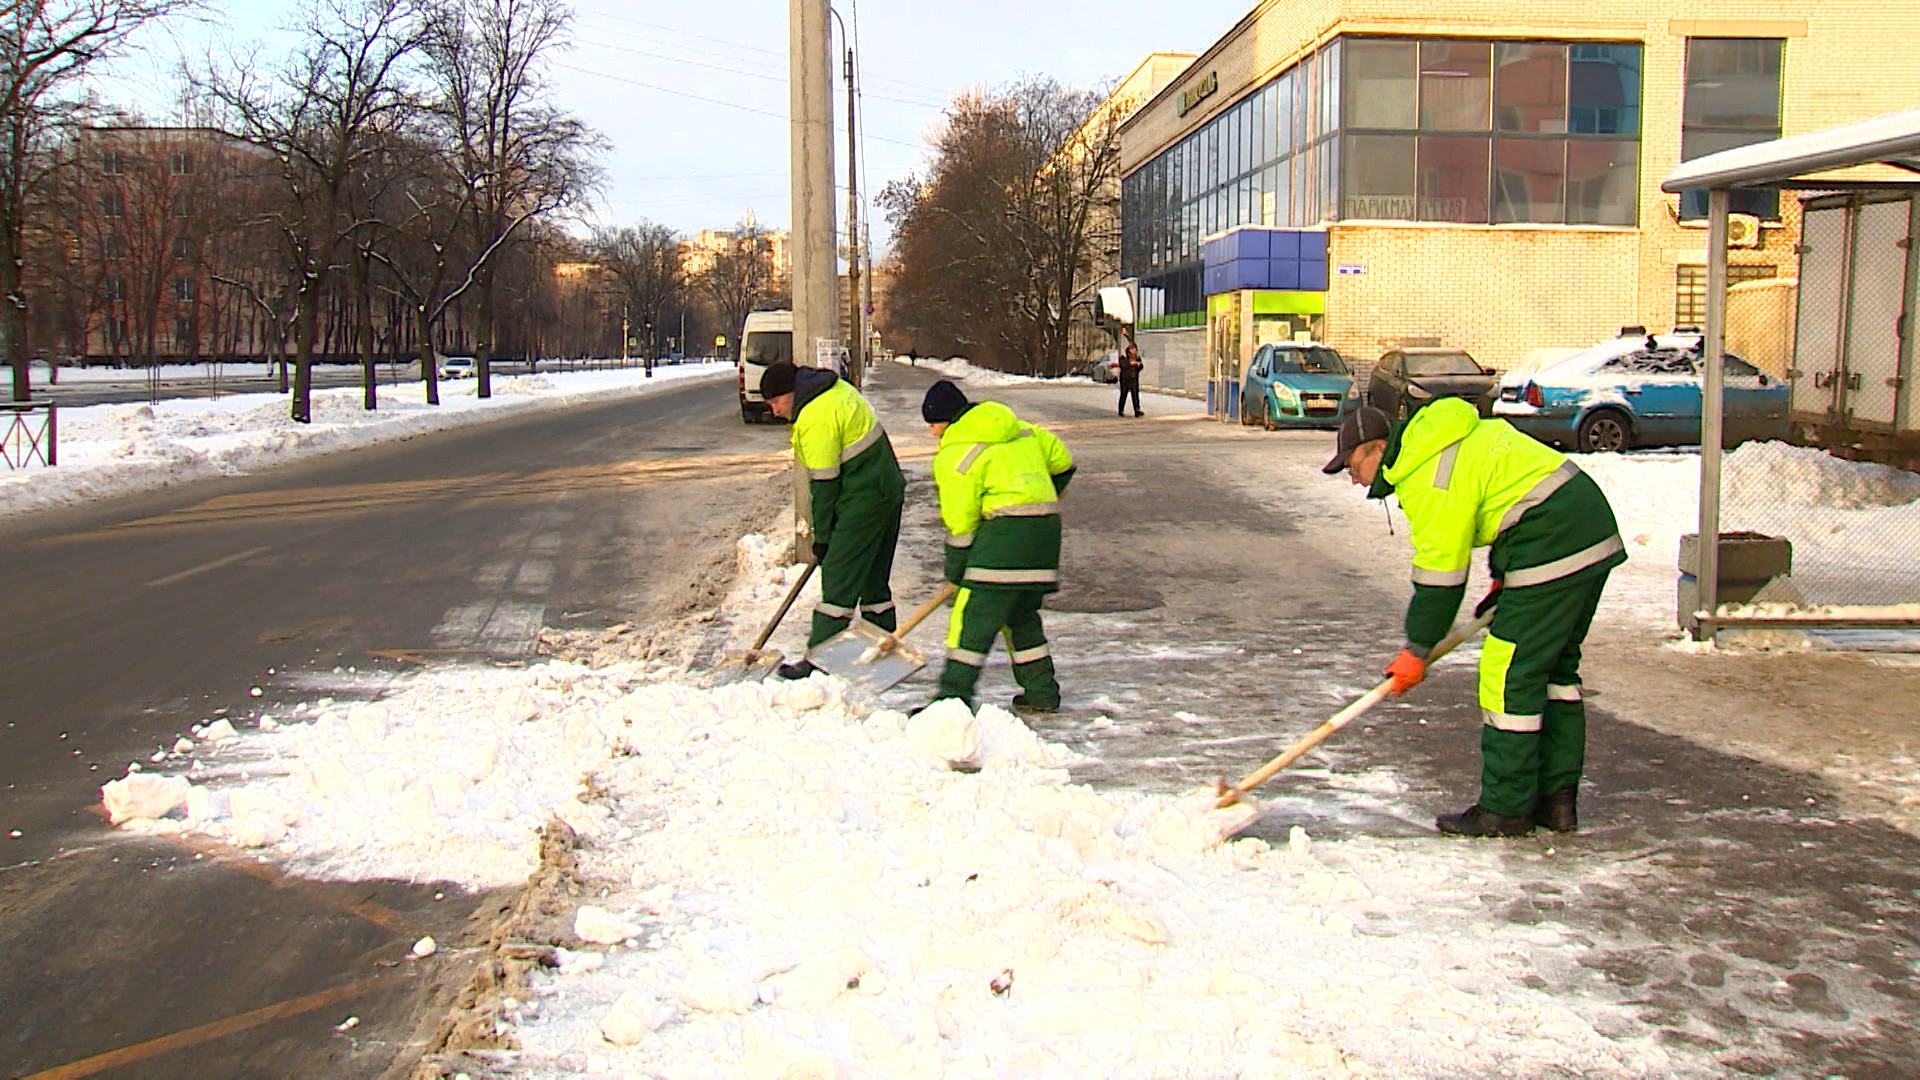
[999, 499]
[1465, 483]
[839, 445]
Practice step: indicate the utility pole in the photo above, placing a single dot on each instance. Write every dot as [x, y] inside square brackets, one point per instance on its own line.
[856, 338]
[623, 334]
[810, 92]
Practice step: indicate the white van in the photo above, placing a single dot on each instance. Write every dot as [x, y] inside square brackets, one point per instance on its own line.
[765, 338]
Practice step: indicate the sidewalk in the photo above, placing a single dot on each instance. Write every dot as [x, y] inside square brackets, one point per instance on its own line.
[775, 880]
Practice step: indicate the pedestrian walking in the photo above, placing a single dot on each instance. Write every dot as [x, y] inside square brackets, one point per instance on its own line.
[856, 491]
[999, 480]
[1466, 483]
[1129, 372]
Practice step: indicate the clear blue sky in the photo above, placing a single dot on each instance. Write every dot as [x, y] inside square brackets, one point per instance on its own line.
[692, 96]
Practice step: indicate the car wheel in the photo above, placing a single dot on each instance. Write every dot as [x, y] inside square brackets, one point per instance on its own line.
[1269, 421]
[747, 415]
[1604, 431]
[1246, 412]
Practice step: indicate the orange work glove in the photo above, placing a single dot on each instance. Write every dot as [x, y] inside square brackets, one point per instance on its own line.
[1406, 671]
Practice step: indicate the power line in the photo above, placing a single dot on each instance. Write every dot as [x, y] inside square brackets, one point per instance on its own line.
[709, 66]
[708, 100]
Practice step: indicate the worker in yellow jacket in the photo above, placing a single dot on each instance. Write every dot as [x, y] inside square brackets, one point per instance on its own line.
[857, 491]
[999, 480]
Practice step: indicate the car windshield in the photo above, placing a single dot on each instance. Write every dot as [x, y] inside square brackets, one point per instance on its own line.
[769, 347]
[1308, 362]
[1655, 362]
[1442, 364]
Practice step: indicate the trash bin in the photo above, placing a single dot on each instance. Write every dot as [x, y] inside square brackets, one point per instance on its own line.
[1748, 562]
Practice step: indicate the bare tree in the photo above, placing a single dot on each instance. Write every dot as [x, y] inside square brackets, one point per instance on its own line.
[740, 277]
[644, 260]
[330, 110]
[998, 246]
[47, 48]
[523, 157]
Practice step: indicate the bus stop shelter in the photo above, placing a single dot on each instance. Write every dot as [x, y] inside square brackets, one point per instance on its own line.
[1838, 159]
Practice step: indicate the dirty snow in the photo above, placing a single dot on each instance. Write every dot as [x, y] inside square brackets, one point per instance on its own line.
[960, 370]
[113, 450]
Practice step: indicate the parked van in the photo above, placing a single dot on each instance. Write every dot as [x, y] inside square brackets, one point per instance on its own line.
[765, 338]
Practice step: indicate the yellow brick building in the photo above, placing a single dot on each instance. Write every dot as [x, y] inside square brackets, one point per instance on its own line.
[1487, 171]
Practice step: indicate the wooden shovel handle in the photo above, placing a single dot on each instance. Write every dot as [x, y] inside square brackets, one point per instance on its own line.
[792, 593]
[918, 617]
[1231, 795]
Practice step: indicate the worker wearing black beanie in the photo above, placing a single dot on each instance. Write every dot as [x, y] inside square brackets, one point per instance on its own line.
[944, 403]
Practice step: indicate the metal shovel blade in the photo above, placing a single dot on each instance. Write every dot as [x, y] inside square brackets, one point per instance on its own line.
[846, 654]
[742, 666]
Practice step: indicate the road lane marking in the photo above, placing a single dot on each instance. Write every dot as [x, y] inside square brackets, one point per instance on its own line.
[216, 564]
[205, 1033]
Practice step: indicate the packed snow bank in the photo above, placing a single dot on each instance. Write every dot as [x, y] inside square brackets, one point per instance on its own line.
[960, 370]
[785, 880]
[112, 450]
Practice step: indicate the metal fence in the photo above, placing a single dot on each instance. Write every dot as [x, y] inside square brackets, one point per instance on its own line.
[29, 433]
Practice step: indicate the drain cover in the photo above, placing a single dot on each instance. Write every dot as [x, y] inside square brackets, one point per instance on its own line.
[1098, 601]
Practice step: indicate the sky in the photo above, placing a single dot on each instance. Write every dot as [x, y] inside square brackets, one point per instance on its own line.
[693, 99]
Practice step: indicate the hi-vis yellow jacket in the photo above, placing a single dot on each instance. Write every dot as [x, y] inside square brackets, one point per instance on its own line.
[845, 453]
[1464, 483]
[1000, 480]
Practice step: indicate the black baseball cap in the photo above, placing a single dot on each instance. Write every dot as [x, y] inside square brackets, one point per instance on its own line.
[1363, 425]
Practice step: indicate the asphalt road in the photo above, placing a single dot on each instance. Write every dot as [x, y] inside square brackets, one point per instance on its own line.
[126, 956]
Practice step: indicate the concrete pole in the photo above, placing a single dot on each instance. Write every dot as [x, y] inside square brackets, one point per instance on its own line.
[810, 126]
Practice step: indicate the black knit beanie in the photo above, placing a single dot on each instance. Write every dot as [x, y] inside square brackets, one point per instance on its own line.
[777, 379]
[943, 404]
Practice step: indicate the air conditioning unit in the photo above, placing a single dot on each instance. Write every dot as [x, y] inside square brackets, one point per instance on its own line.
[1743, 231]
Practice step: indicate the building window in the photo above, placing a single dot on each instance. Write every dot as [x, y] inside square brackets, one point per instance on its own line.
[183, 334]
[116, 331]
[112, 205]
[1484, 132]
[111, 163]
[114, 290]
[183, 290]
[1732, 99]
[113, 247]
[182, 163]
[1690, 290]
[184, 248]
[180, 205]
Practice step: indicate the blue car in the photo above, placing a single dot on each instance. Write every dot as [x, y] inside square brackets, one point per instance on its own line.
[1297, 385]
[1638, 391]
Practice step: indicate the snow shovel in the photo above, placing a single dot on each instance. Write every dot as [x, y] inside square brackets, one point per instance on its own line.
[758, 661]
[867, 656]
[1228, 794]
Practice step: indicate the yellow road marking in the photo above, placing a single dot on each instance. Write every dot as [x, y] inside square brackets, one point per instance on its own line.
[205, 1033]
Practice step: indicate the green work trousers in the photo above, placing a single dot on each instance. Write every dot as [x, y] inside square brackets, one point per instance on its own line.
[981, 614]
[1533, 740]
[857, 573]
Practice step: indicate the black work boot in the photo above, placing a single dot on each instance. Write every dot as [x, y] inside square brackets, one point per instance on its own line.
[799, 669]
[1025, 704]
[1559, 810]
[1475, 820]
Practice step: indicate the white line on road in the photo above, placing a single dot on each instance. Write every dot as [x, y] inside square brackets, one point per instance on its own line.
[204, 567]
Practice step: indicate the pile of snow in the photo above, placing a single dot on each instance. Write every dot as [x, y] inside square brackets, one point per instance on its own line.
[1772, 473]
[110, 450]
[960, 370]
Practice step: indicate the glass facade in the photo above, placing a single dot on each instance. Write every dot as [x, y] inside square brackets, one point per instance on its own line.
[1732, 99]
[1402, 129]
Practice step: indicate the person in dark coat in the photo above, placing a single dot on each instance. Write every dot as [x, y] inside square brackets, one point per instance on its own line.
[1130, 365]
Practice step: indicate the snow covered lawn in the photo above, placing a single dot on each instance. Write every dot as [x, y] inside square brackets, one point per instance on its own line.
[111, 450]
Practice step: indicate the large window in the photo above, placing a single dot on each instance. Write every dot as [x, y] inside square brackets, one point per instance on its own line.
[1491, 131]
[1270, 158]
[1732, 99]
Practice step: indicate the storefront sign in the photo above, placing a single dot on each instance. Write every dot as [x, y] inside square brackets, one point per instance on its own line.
[1199, 92]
